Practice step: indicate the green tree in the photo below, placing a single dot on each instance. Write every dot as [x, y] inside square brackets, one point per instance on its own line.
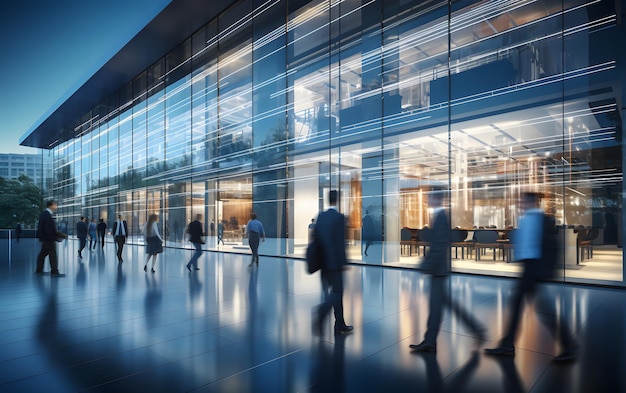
[20, 201]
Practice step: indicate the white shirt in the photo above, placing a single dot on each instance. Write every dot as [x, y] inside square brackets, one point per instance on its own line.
[529, 235]
[120, 229]
[154, 232]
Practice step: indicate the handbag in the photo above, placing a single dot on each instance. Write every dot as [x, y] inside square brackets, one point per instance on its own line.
[313, 257]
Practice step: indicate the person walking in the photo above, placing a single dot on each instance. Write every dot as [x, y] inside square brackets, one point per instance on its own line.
[81, 232]
[194, 229]
[329, 233]
[102, 231]
[48, 235]
[18, 232]
[220, 232]
[93, 237]
[536, 245]
[153, 240]
[120, 231]
[255, 233]
[437, 264]
[311, 229]
[212, 227]
[367, 231]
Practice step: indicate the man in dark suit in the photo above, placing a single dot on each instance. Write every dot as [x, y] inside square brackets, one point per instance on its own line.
[437, 264]
[329, 233]
[119, 232]
[81, 233]
[102, 231]
[195, 237]
[48, 235]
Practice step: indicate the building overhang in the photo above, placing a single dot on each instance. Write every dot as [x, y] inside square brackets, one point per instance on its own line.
[178, 21]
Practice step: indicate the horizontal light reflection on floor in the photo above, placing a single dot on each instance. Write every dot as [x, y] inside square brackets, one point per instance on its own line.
[106, 327]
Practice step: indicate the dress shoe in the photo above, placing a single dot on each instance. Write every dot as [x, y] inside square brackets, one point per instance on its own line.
[568, 355]
[39, 272]
[188, 267]
[251, 263]
[153, 270]
[80, 255]
[500, 351]
[197, 268]
[424, 347]
[343, 329]
[145, 268]
[57, 274]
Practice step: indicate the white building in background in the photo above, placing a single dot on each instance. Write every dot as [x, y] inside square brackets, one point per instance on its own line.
[31, 165]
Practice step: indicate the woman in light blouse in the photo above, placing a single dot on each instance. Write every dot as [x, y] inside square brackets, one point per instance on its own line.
[153, 239]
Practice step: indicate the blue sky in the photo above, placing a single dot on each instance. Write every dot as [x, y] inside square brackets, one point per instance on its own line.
[49, 48]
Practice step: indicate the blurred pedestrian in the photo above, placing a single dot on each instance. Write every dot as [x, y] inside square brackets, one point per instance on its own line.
[330, 235]
[48, 236]
[81, 232]
[255, 233]
[536, 246]
[153, 240]
[367, 231]
[311, 229]
[102, 231]
[93, 237]
[220, 232]
[18, 232]
[195, 237]
[119, 232]
[437, 264]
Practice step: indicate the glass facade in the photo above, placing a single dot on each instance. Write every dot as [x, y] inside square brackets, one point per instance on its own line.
[272, 104]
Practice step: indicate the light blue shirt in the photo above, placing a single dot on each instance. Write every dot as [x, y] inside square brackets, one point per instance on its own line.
[529, 234]
[255, 226]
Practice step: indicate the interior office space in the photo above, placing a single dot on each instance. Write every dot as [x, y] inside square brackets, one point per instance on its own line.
[264, 106]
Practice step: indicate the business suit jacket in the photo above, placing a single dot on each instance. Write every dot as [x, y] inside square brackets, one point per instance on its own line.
[195, 232]
[114, 230]
[46, 228]
[330, 234]
[81, 230]
[437, 261]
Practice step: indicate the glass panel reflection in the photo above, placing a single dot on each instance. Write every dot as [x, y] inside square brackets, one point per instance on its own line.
[271, 104]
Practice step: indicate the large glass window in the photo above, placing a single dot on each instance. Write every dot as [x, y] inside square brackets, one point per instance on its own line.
[272, 104]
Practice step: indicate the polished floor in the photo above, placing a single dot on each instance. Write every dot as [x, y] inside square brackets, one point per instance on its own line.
[227, 328]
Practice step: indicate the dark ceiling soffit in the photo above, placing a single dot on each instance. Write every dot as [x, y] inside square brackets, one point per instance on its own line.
[178, 21]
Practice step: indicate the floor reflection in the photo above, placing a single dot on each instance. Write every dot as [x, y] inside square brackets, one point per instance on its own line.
[195, 286]
[328, 366]
[112, 327]
[511, 380]
[152, 300]
[433, 372]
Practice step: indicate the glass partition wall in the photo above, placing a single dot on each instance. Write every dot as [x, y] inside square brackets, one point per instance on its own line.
[271, 105]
